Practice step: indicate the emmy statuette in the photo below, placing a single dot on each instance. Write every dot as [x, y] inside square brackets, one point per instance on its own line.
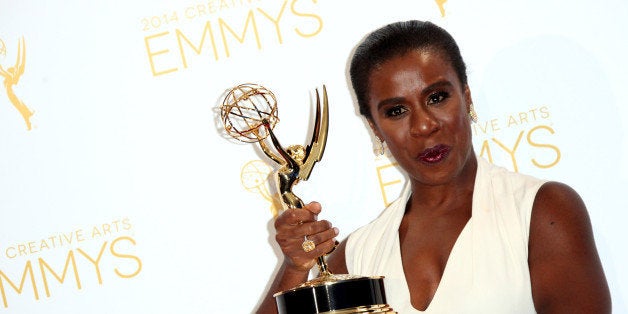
[249, 114]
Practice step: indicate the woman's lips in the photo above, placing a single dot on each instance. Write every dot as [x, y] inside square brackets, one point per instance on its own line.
[434, 154]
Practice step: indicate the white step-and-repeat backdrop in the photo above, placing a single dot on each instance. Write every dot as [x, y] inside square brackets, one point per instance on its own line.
[119, 192]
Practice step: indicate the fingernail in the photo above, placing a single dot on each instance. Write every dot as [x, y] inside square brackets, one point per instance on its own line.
[336, 231]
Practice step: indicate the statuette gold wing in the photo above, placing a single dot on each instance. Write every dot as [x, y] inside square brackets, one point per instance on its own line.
[314, 151]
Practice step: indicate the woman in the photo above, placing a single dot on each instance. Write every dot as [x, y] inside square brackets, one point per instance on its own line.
[465, 236]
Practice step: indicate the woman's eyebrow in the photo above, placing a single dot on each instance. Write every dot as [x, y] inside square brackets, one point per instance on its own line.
[437, 85]
[390, 101]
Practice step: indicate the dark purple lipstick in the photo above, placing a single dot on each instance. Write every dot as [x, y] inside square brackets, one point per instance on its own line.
[435, 154]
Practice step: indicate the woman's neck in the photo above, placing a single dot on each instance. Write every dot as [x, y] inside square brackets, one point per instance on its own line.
[447, 196]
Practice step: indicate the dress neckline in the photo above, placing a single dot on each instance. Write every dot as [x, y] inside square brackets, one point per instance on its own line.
[444, 278]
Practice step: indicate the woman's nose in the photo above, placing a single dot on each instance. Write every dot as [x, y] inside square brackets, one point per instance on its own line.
[423, 123]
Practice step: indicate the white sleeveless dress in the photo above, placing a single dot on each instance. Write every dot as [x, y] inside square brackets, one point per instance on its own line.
[487, 270]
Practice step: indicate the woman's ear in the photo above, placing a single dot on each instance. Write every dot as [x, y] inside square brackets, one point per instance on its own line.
[374, 129]
[467, 97]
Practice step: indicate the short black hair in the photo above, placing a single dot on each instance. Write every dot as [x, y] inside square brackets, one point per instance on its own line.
[395, 40]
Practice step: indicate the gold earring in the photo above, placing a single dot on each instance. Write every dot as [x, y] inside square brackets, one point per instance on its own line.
[472, 114]
[380, 149]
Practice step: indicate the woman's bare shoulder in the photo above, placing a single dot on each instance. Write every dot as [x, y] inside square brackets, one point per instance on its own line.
[565, 269]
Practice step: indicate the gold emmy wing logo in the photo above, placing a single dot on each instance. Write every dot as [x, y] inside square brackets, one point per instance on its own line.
[12, 76]
[441, 6]
[254, 177]
[3, 48]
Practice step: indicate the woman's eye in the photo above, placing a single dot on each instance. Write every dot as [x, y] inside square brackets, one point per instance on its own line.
[395, 111]
[437, 98]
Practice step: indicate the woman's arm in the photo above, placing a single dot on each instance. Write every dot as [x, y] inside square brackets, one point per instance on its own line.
[292, 226]
[336, 261]
[565, 269]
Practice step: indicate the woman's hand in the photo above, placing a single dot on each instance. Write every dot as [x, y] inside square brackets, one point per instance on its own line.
[293, 226]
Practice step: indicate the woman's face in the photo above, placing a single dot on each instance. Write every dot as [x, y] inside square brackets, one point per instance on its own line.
[420, 109]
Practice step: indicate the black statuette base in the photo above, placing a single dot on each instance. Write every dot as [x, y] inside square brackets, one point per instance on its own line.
[359, 293]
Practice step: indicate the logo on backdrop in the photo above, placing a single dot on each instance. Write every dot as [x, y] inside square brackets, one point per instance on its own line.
[92, 256]
[518, 138]
[3, 48]
[255, 177]
[441, 6]
[179, 38]
[11, 76]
